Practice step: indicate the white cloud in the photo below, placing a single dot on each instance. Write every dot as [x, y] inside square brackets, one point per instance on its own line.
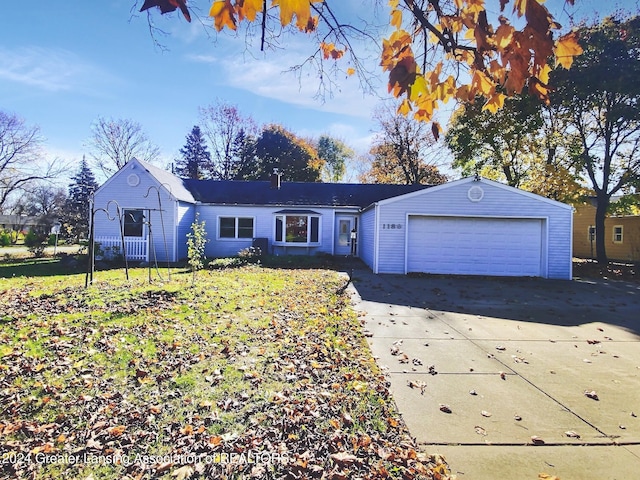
[50, 69]
[272, 79]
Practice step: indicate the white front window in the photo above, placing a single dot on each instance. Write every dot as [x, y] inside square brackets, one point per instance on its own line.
[298, 229]
[235, 227]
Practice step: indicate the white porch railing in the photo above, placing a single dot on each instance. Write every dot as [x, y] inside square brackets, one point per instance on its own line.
[137, 248]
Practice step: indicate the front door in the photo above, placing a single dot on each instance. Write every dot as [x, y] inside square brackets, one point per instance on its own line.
[344, 225]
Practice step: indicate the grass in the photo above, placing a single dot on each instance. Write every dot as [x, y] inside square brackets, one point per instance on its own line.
[106, 382]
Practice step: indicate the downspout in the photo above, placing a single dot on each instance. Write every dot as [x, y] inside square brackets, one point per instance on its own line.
[333, 232]
[571, 248]
[375, 238]
[176, 209]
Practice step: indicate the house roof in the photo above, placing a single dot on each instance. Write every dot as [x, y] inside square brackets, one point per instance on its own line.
[230, 192]
[175, 185]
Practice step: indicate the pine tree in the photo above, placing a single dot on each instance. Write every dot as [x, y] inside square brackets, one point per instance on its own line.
[196, 159]
[76, 210]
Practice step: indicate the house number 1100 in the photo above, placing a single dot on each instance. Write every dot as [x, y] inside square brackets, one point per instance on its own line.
[391, 226]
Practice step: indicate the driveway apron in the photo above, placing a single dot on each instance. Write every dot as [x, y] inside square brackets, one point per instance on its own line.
[511, 378]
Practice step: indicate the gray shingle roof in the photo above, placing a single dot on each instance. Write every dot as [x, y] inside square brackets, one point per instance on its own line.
[291, 194]
[228, 192]
[175, 185]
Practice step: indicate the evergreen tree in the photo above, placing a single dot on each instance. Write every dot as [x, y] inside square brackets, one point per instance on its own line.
[76, 211]
[196, 159]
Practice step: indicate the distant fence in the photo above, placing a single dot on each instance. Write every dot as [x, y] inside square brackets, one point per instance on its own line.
[137, 248]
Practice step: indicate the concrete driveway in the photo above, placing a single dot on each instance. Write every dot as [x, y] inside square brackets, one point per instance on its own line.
[512, 359]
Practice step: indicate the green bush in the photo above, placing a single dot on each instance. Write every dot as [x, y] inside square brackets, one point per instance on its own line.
[35, 243]
[5, 239]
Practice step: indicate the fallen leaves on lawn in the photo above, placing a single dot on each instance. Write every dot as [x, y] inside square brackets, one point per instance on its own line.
[248, 362]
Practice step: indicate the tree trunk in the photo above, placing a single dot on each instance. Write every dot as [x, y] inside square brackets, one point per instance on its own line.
[602, 204]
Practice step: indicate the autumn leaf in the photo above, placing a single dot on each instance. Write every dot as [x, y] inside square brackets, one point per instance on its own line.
[482, 83]
[343, 458]
[223, 14]
[405, 107]
[520, 6]
[495, 102]
[300, 8]
[329, 50]
[350, 71]
[396, 18]
[167, 6]
[504, 36]
[116, 431]
[591, 394]
[248, 9]
[567, 47]
[537, 440]
[186, 471]
[435, 130]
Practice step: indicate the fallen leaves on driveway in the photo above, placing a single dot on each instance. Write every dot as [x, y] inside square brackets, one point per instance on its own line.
[591, 394]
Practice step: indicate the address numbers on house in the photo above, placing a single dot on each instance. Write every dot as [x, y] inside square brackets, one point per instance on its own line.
[392, 226]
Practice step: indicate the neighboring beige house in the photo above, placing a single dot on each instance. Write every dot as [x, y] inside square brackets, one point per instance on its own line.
[622, 235]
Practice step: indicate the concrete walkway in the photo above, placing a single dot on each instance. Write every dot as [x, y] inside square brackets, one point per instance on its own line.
[511, 359]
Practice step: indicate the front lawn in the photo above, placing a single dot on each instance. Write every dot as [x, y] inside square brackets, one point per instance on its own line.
[253, 373]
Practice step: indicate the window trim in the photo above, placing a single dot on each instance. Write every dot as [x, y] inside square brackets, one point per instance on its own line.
[310, 233]
[236, 219]
[621, 227]
[125, 213]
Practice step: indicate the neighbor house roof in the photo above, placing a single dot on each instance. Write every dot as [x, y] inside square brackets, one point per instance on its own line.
[229, 192]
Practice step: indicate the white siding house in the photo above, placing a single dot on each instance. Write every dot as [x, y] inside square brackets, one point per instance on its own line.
[471, 226]
[150, 206]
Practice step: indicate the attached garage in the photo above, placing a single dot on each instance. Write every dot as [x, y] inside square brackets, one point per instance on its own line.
[472, 226]
[475, 246]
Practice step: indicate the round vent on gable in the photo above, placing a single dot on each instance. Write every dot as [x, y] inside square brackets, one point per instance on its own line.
[133, 180]
[475, 193]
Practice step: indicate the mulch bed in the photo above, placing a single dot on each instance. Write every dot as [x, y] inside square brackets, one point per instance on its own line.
[587, 268]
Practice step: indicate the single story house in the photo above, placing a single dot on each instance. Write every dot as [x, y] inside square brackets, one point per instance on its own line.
[471, 226]
[20, 223]
[621, 235]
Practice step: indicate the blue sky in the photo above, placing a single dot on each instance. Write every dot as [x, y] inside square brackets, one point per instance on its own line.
[63, 64]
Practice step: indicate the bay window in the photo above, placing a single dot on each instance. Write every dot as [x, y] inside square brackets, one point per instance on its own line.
[298, 228]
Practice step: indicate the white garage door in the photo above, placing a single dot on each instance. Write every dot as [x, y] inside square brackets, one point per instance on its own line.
[475, 246]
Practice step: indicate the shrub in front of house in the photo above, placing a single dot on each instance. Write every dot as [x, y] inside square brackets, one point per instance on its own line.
[5, 239]
[35, 243]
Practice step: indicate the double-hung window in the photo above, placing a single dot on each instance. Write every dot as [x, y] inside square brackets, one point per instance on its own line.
[298, 228]
[133, 222]
[235, 227]
[618, 234]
